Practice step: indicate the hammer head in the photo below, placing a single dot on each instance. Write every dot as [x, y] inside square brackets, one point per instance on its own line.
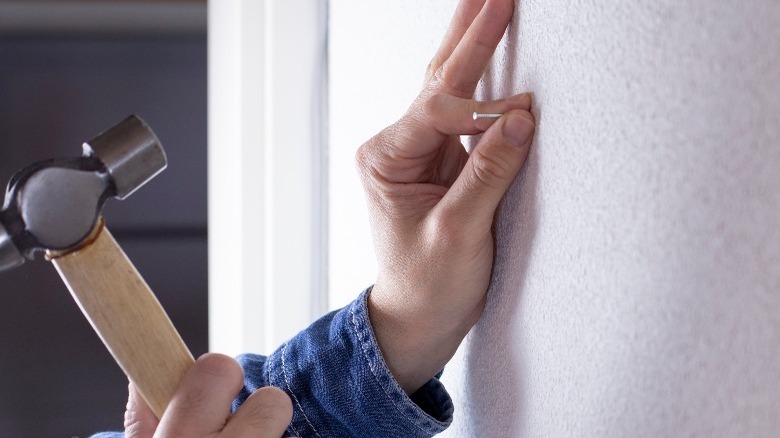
[55, 204]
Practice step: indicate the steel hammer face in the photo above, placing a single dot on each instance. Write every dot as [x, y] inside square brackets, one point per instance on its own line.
[55, 204]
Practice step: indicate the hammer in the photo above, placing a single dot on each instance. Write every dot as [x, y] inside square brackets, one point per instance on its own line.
[54, 206]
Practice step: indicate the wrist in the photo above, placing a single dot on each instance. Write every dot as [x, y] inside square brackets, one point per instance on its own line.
[416, 339]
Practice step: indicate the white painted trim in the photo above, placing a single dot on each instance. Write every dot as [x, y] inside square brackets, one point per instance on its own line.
[262, 63]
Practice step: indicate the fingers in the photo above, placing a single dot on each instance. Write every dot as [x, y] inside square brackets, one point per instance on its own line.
[265, 414]
[461, 72]
[403, 152]
[201, 404]
[491, 168]
[407, 151]
[453, 115]
[464, 15]
[140, 421]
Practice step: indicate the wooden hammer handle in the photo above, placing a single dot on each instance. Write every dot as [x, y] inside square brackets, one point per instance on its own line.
[127, 316]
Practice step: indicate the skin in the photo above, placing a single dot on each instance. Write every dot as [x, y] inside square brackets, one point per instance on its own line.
[201, 406]
[432, 204]
[432, 207]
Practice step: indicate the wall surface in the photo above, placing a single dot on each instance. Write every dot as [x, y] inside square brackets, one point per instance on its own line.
[636, 290]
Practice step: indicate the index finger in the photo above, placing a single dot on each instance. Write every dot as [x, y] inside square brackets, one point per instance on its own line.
[201, 404]
[265, 414]
[461, 72]
[465, 14]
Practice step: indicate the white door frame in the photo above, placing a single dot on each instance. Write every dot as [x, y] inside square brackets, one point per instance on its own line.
[265, 184]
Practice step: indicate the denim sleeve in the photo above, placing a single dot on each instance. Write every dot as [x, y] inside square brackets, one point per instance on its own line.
[341, 386]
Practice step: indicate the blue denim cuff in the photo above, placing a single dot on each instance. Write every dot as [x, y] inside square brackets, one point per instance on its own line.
[430, 408]
[341, 386]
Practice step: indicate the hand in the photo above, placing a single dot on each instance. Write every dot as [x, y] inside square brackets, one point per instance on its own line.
[201, 406]
[432, 204]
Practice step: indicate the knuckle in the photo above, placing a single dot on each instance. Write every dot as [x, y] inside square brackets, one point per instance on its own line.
[430, 69]
[490, 169]
[361, 157]
[366, 162]
[432, 104]
[369, 170]
[442, 80]
[367, 154]
[446, 230]
[437, 75]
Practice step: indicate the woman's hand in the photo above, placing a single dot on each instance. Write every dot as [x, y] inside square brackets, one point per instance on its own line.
[432, 204]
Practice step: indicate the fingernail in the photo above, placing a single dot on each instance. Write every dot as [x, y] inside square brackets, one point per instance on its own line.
[517, 130]
[521, 98]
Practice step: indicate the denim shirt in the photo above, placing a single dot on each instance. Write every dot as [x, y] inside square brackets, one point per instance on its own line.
[340, 385]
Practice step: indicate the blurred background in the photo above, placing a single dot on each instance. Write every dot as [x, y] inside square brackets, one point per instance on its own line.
[275, 237]
[69, 70]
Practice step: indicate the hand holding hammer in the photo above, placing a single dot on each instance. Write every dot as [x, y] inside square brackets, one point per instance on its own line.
[54, 207]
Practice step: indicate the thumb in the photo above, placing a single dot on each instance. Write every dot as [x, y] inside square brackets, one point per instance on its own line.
[140, 421]
[492, 166]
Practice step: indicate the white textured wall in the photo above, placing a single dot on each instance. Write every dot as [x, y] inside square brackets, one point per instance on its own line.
[637, 285]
